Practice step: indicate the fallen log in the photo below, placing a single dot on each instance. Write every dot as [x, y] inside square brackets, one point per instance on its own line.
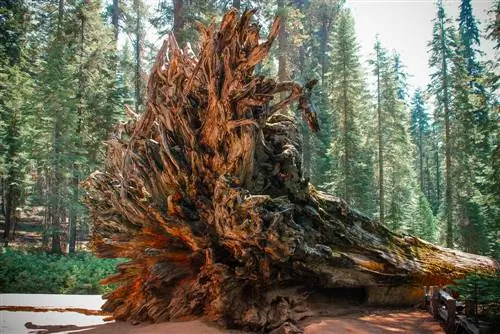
[204, 193]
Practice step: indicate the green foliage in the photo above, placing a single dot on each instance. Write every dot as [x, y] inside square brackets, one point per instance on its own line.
[483, 290]
[350, 155]
[469, 35]
[31, 272]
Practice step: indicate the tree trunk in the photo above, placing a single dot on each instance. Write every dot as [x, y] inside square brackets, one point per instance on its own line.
[13, 179]
[179, 21]
[55, 206]
[116, 18]
[380, 144]
[138, 50]
[282, 45]
[345, 130]
[73, 217]
[447, 140]
[421, 158]
[437, 166]
[204, 193]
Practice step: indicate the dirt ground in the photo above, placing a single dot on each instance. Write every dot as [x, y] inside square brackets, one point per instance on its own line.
[396, 321]
[386, 321]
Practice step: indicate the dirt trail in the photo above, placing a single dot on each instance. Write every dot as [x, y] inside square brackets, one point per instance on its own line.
[372, 322]
[397, 321]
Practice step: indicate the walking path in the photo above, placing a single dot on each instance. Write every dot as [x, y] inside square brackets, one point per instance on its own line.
[37, 314]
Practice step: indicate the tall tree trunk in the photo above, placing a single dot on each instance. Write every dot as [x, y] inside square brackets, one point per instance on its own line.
[421, 158]
[75, 179]
[8, 212]
[56, 211]
[138, 51]
[179, 21]
[237, 4]
[13, 179]
[380, 144]
[438, 178]
[322, 56]
[116, 18]
[447, 141]
[306, 141]
[346, 138]
[282, 45]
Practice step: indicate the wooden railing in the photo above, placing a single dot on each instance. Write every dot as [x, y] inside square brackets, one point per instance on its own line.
[444, 307]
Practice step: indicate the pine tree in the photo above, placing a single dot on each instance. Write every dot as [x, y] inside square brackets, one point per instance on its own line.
[320, 19]
[491, 177]
[441, 56]
[352, 178]
[400, 176]
[16, 86]
[469, 38]
[473, 129]
[380, 63]
[180, 17]
[420, 131]
[397, 181]
[97, 99]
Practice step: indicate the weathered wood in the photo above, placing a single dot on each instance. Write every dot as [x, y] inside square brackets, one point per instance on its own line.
[204, 193]
[451, 310]
[467, 325]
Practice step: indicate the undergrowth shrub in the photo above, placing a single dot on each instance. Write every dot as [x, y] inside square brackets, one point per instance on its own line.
[22, 271]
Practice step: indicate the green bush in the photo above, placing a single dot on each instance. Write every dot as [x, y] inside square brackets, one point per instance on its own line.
[483, 290]
[26, 272]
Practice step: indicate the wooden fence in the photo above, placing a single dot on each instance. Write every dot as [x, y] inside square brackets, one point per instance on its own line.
[444, 307]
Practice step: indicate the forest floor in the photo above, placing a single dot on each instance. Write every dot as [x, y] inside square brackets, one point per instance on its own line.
[352, 320]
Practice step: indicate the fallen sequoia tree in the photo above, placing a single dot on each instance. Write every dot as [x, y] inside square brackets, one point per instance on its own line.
[204, 193]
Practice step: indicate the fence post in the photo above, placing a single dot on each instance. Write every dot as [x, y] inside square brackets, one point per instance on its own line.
[435, 301]
[451, 307]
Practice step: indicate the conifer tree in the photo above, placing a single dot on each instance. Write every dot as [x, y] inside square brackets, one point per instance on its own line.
[469, 38]
[420, 131]
[352, 176]
[97, 101]
[180, 17]
[380, 63]
[399, 173]
[442, 49]
[322, 16]
[16, 87]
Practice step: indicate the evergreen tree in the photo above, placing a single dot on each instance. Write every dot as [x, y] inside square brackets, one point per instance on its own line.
[97, 100]
[398, 152]
[469, 38]
[420, 131]
[380, 64]
[474, 129]
[397, 180]
[352, 177]
[180, 17]
[442, 49]
[16, 86]
[321, 18]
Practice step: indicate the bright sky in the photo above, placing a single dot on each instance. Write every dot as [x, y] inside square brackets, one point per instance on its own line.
[406, 26]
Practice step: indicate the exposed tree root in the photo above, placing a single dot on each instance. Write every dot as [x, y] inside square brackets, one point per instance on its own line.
[204, 193]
